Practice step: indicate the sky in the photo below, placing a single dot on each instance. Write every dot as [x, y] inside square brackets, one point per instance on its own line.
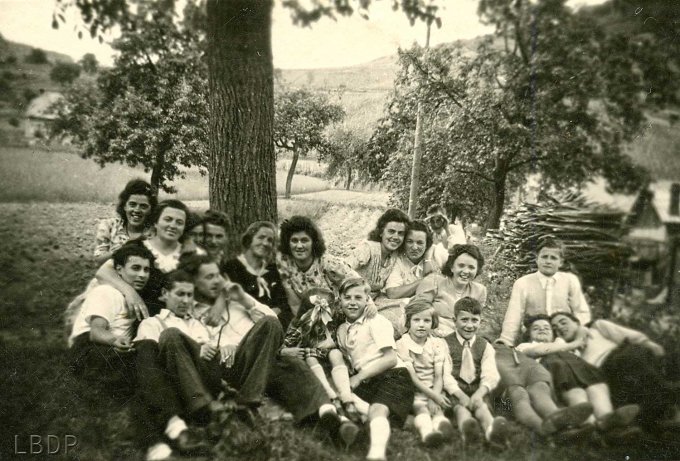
[327, 43]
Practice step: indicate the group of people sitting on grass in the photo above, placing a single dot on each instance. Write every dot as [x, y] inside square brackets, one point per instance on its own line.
[349, 343]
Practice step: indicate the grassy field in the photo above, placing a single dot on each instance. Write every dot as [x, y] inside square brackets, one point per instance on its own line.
[32, 174]
[45, 252]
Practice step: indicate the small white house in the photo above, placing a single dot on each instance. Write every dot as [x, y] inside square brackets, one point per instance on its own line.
[39, 114]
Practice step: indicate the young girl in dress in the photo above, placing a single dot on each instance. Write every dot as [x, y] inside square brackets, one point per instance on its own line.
[575, 380]
[424, 357]
[311, 336]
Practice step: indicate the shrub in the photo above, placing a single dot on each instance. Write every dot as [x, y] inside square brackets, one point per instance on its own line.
[36, 56]
[14, 121]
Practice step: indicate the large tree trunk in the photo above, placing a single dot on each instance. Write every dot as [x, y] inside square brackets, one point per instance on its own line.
[349, 178]
[242, 163]
[494, 219]
[291, 172]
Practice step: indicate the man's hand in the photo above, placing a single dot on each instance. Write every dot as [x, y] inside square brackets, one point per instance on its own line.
[208, 352]
[234, 292]
[656, 349]
[227, 354]
[135, 304]
[299, 352]
[122, 344]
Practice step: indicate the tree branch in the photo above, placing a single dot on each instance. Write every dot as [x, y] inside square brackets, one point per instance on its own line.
[474, 173]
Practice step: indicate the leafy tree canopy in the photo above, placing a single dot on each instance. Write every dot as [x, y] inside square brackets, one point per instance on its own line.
[89, 63]
[64, 72]
[301, 118]
[548, 94]
[150, 108]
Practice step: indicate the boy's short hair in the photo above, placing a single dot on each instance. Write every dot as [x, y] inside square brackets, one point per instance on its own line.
[467, 304]
[191, 263]
[417, 305]
[131, 248]
[353, 282]
[551, 243]
[566, 314]
[176, 276]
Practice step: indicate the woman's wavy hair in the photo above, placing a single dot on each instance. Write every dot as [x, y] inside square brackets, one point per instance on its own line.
[391, 215]
[136, 187]
[247, 236]
[458, 250]
[421, 226]
[301, 224]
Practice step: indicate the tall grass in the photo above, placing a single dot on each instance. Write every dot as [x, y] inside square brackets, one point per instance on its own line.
[34, 174]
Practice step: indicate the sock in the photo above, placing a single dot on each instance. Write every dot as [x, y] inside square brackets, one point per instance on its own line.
[158, 451]
[321, 376]
[325, 408]
[380, 434]
[175, 427]
[341, 380]
[423, 423]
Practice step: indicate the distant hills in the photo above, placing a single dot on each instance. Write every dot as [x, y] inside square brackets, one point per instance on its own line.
[362, 90]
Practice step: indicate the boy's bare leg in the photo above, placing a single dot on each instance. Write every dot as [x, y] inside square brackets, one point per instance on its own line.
[379, 428]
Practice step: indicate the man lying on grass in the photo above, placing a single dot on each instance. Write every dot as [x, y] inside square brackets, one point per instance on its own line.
[101, 339]
[248, 336]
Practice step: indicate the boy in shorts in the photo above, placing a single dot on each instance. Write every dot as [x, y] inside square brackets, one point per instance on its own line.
[379, 378]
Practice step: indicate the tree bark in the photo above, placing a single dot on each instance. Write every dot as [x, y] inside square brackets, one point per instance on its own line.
[494, 219]
[291, 172]
[349, 178]
[242, 162]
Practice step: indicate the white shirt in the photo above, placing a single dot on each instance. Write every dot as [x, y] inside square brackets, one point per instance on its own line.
[364, 339]
[152, 327]
[108, 303]
[235, 325]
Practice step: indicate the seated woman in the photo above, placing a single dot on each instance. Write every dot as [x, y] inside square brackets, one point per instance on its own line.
[574, 379]
[135, 204]
[455, 282]
[419, 259]
[169, 220]
[254, 269]
[304, 263]
[375, 258]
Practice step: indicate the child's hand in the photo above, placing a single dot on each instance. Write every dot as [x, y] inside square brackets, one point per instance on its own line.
[433, 407]
[208, 352]
[122, 344]
[463, 399]
[299, 352]
[476, 402]
[443, 401]
[371, 309]
[227, 355]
